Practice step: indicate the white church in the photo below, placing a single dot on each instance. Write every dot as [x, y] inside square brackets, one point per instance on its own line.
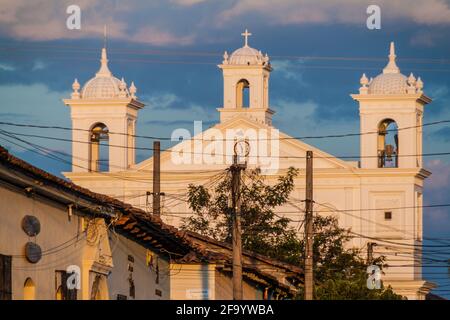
[378, 197]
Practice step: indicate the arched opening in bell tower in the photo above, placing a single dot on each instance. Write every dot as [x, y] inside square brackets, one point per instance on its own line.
[99, 148]
[388, 144]
[243, 94]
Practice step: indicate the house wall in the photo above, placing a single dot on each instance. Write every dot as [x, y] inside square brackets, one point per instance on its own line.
[193, 282]
[205, 282]
[144, 275]
[57, 239]
[224, 288]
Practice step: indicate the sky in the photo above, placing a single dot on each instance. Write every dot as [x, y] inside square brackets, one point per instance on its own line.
[170, 49]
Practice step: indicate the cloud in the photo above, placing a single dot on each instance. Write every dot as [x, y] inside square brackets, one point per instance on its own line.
[432, 12]
[45, 20]
[161, 100]
[28, 104]
[169, 111]
[7, 67]
[442, 177]
[290, 70]
[428, 39]
[442, 134]
[299, 118]
[437, 192]
[153, 35]
[183, 22]
[38, 65]
[187, 2]
[438, 92]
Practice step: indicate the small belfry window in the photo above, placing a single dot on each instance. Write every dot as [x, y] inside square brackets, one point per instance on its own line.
[243, 94]
[388, 144]
[99, 148]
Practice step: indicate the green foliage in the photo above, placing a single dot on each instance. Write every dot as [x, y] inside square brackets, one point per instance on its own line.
[262, 230]
[339, 273]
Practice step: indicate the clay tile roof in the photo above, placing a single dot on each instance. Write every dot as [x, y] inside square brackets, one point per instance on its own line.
[190, 247]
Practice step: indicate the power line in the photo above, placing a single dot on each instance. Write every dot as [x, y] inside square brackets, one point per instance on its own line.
[58, 159]
[343, 135]
[142, 180]
[221, 154]
[399, 243]
[317, 211]
[382, 209]
[373, 222]
[198, 53]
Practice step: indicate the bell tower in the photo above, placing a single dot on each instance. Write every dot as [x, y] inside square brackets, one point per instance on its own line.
[246, 75]
[391, 110]
[104, 115]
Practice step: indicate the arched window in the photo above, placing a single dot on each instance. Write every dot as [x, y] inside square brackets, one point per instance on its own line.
[243, 94]
[388, 145]
[29, 290]
[99, 148]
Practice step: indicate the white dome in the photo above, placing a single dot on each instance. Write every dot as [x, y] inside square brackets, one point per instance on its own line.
[246, 56]
[389, 83]
[101, 87]
[104, 85]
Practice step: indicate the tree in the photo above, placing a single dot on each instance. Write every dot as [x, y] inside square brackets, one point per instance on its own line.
[263, 231]
[339, 272]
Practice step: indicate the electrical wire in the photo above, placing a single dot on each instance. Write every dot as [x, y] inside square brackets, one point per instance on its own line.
[343, 135]
[221, 154]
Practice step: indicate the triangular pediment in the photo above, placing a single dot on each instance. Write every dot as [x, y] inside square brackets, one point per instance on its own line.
[291, 151]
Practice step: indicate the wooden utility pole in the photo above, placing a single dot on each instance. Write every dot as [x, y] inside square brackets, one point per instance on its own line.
[156, 178]
[237, 242]
[370, 246]
[309, 276]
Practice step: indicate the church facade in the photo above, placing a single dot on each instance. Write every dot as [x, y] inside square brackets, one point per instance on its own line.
[379, 197]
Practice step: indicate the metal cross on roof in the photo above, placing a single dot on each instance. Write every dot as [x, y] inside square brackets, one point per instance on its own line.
[246, 34]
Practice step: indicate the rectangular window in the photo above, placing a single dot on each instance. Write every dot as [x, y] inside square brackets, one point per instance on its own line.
[388, 215]
[5, 278]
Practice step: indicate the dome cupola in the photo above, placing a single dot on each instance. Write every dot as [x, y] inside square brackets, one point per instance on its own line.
[104, 85]
[246, 55]
[391, 81]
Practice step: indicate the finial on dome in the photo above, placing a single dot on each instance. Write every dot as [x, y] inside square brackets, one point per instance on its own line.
[122, 85]
[411, 84]
[419, 85]
[104, 70]
[133, 90]
[75, 87]
[391, 67]
[225, 58]
[364, 82]
[122, 89]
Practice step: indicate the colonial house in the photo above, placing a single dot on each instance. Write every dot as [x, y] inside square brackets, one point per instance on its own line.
[379, 197]
[61, 241]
